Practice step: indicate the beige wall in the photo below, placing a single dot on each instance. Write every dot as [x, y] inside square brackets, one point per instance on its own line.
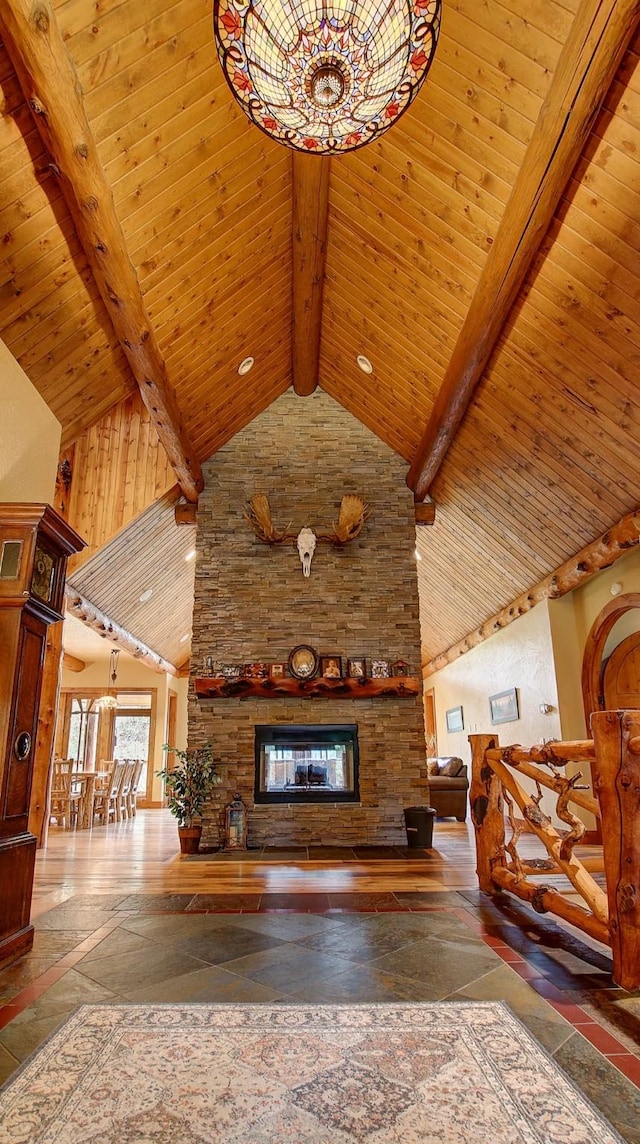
[520, 656]
[540, 654]
[133, 674]
[29, 437]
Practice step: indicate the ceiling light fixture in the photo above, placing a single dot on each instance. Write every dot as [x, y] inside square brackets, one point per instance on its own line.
[364, 364]
[246, 365]
[184, 638]
[190, 555]
[417, 555]
[323, 77]
[146, 596]
[109, 702]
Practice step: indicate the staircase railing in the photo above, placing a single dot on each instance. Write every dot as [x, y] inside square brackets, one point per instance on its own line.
[496, 796]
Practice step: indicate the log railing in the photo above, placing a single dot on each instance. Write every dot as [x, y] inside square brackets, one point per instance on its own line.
[496, 797]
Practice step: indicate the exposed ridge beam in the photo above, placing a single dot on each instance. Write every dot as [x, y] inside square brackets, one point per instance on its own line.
[310, 217]
[101, 623]
[586, 68]
[51, 88]
[601, 553]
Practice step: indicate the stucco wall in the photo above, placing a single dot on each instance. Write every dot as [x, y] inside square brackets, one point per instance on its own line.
[520, 656]
[132, 674]
[29, 437]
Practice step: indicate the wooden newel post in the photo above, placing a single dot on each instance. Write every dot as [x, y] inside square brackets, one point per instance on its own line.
[487, 812]
[616, 780]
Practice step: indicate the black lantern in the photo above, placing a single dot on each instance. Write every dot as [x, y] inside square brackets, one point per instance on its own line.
[235, 824]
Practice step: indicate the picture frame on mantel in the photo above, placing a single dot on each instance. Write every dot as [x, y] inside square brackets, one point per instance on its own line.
[331, 666]
[357, 668]
[504, 706]
[455, 719]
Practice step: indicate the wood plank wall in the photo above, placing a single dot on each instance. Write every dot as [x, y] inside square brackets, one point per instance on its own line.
[119, 469]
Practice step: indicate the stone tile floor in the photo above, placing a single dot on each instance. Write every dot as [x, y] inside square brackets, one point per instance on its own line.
[410, 946]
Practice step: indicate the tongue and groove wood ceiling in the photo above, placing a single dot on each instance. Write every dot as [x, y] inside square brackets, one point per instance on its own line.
[546, 456]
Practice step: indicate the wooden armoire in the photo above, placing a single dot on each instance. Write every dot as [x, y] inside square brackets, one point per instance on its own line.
[35, 543]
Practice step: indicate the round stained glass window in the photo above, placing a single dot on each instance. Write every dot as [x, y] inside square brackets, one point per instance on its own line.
[325, 75]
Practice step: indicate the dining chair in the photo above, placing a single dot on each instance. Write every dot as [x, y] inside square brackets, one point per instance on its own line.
[133, 787]
[66, 795]
[124, 791]
[105, 800]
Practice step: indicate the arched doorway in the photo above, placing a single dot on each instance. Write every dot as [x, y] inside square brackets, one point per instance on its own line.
[593, 676]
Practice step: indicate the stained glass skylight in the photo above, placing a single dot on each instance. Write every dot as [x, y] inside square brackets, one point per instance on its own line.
[325, 75]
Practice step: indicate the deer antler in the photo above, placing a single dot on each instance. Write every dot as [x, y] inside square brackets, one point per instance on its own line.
[259, 517]
[353, 513]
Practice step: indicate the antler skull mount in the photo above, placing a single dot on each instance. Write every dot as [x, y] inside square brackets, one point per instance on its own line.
[353, 513]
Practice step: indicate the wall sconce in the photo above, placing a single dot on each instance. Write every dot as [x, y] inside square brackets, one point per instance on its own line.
[546, 708]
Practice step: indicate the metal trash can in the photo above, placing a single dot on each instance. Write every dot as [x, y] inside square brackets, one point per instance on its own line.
[418, 821]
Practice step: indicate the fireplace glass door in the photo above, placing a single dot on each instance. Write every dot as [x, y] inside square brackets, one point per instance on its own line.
[307, 763]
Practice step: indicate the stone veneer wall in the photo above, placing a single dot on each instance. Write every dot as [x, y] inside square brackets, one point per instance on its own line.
[252, 603]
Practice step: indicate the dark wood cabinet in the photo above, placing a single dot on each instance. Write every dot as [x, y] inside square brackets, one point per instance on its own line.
[35, 543]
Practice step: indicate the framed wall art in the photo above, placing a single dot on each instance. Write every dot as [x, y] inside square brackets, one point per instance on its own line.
[357, 668]
[455, 719]
[380, 669]
[504, 706]
[331, 666]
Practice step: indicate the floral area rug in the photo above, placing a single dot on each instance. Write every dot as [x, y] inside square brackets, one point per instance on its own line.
[295, 1074]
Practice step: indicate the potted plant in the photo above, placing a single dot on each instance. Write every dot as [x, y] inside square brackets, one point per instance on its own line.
[188, 785]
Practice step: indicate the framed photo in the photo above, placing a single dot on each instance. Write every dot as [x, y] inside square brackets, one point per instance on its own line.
[357, 668]
[303, 662]
[455, 719]
[400, 667]
[504, 706]
[276, 670]
[380, 669]
[331, 666]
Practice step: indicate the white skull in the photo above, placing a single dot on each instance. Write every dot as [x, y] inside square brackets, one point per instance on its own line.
[306, 548]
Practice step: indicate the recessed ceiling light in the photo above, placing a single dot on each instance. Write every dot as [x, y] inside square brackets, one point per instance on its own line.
[184, 638]
[191, 555]
[246, 365]
[146, 595]
[417, 555]
[364, 363]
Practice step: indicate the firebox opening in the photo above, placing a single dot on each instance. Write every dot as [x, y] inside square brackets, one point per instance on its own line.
[307, 763]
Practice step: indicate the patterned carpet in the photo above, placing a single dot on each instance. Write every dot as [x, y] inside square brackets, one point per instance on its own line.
[295, 1074]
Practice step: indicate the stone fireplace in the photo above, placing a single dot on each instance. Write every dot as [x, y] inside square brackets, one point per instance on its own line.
[253, 605]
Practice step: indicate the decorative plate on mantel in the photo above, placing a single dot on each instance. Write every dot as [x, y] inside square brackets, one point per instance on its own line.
[303, 662]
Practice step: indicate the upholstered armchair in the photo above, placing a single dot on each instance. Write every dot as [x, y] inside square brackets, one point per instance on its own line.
[448, 786]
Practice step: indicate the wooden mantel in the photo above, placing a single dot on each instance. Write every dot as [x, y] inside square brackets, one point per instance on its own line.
[399, 687]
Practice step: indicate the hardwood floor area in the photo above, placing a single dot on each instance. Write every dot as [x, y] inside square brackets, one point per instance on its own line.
[141, 855]
[119, 916]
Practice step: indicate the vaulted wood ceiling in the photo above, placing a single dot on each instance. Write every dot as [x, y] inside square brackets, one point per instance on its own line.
[546, 456]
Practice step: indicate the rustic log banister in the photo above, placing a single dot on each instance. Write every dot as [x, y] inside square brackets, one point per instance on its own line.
[547, 752]
[612, 918]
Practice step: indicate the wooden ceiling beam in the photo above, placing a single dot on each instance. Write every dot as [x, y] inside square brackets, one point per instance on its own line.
[51, 88]
[310, 218]
[601, 553]
[587, 65]
[72, 662]
[79, 606]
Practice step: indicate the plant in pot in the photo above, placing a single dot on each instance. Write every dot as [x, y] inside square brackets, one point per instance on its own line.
[188, 784]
